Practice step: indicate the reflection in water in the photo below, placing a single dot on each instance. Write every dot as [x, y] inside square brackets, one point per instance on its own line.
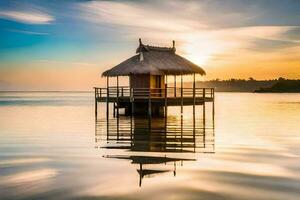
[47, 150]
[159, 135]
[148, 160]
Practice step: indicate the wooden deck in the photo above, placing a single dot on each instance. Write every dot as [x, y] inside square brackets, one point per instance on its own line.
[173, 97]
[152, 100]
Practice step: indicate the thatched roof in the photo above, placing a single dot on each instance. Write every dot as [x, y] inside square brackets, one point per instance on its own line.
[155, 61]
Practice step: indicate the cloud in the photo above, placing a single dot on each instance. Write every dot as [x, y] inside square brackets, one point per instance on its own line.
[271, 45]
[139, 15]
[228, 38]
[293, 34]
[55, 62]
[185, 15]
[27, 32]
[202, 29]
[27, 17]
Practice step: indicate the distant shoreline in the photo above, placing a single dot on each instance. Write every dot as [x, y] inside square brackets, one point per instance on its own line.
[25, 91]
[252, 85]
[231, 85]
[282, 86]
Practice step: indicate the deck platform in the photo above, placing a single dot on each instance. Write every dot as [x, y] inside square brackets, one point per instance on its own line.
[172, 101]
[154, 98]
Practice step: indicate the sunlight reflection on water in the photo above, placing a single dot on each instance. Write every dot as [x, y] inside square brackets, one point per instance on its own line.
[51, 147]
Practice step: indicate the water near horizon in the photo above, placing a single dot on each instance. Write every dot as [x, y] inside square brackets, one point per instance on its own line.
[52, 147]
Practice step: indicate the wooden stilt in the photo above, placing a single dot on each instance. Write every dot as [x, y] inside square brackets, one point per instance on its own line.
[141, 174]
[107, 97]
[117, 96]
[194, 121]
[132, 101]
[204, 134]
[174, 172]
[114, 109]
[194, 131]
[181, 91]
[181, 132]
[165, 141]
[194, 94]
[166, 97]
[149, 125]
[107, 128]
[213, 103]
[203, 106]
[118, 128]
[149, 104]
[131, 130]
[96, 103]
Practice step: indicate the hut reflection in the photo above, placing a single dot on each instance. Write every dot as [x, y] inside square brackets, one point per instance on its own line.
[148, 136]
[151, 160]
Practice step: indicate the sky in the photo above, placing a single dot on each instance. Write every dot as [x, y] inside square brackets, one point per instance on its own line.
[66, 45]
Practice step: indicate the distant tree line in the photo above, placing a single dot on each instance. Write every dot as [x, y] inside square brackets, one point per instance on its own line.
[250, 84]
[282, 85]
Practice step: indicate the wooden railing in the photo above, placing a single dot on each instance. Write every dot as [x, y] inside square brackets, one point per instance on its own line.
[169, 92]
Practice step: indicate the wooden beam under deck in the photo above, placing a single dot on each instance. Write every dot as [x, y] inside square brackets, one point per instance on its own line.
[172, 101]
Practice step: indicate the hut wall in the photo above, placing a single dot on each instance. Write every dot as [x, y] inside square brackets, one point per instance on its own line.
[152, 82]
[140, 81]
[147, 81]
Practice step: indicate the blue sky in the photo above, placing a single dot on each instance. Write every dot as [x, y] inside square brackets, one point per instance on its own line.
[67, 44]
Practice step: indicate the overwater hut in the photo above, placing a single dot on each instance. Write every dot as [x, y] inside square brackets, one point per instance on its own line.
[148, 91]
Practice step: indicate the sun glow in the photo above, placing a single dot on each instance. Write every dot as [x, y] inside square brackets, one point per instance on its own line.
[197, 58]
[200, 49]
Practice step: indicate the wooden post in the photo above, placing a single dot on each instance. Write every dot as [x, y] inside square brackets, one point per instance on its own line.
[194, 132]
[107, 128]
[132, 101]
[149, 104]
[194, 104]
[213, 103]
[118, 128]
[107, 97]
[114, 109]
[141, 174]
[107, 131]
[194, 94]
[166, 97]
[181, 132]
[204, 135]
[204, 106]
[117, 96]
[131, 130]
[96, 109]
[181, 91]
[174, 172]
[174, 85]
[165, 141]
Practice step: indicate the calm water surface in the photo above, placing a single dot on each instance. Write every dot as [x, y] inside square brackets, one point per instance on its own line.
[52, 147]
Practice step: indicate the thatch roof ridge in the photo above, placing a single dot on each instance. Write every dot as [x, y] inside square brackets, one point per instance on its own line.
[156, 61]
[145, 48]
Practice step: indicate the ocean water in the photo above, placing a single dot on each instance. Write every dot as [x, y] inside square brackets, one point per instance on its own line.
[53, 147]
